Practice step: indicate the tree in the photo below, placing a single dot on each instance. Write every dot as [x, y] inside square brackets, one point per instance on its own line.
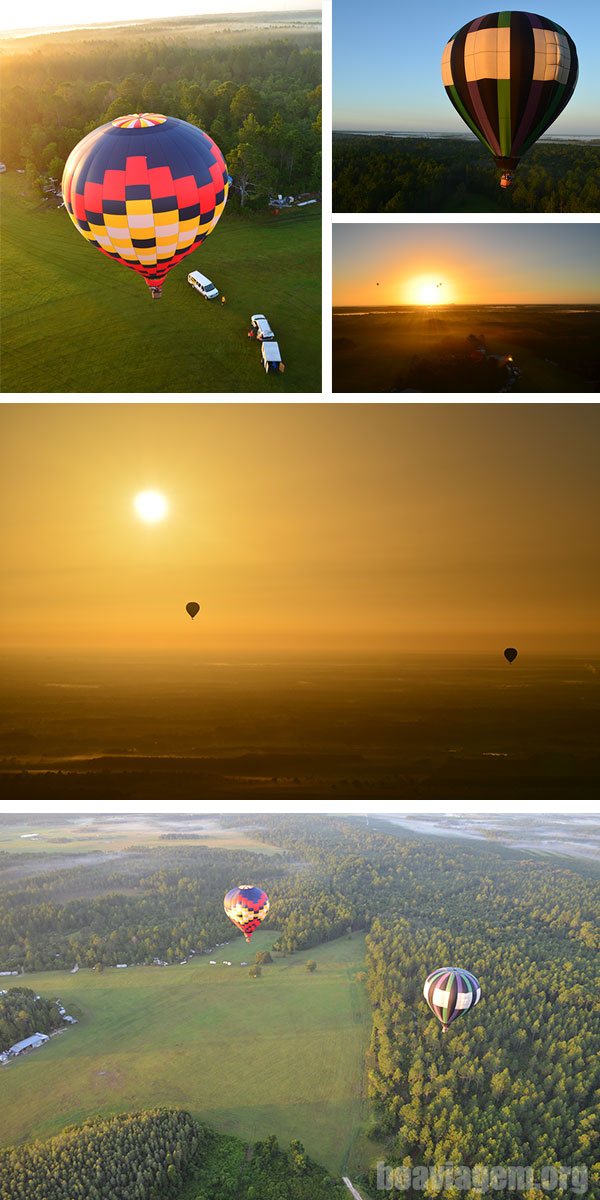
[311, 965]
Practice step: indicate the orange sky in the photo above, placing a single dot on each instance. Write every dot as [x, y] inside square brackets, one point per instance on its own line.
[301, 527]
[475, 264]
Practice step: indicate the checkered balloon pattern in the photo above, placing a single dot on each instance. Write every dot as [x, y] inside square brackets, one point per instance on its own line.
[450, 991]
[146, 190]
[247, 907]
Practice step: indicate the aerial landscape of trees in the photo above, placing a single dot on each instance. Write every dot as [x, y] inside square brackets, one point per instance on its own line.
[381, 173]
[513, 1081]
[260, 101]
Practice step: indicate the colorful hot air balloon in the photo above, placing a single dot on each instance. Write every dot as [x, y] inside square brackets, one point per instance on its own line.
[450, 991]
[247, 907]
[509, 75]
[510, 653]
[192, 608]
[146, 190]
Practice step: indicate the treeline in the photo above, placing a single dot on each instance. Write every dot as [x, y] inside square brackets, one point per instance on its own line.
[260, 101]
[135, 1156]
[512, 1082]
[22, 1013]
[387, 174]
[161, 1154]
[163, 903]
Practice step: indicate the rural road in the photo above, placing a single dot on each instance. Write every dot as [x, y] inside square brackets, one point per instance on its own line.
[351, 1188]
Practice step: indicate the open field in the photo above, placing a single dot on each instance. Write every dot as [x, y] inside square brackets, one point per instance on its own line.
[64, 837]
[76, 322]
[425, 349]
[281, 1054]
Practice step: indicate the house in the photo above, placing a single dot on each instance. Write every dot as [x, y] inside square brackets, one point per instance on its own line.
[30, 1043]
[70, 1020]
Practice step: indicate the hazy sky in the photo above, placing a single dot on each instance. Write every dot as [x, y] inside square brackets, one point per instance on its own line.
[301, 527]
[476, 264]
[38, 15]
[387, 63]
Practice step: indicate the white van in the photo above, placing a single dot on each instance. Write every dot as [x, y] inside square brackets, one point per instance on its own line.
[203, 285]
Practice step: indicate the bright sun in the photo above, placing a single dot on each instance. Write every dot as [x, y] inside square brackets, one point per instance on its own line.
[427, 290]
[150, 507]
[428, 293]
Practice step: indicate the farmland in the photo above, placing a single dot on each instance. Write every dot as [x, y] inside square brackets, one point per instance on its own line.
[281, 1054]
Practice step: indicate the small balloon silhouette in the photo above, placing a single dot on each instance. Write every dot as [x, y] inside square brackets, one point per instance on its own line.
[193, 609]
[510, 653]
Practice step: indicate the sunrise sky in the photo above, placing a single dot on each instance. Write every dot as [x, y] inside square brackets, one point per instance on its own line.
[476, 264]
[38, 15]
[300, 528]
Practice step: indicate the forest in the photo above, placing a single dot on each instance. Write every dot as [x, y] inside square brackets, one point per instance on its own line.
[165, 903]
[23, 1013]
[513, 1081]
[160, 1154]
[260, 101]
[377, 173]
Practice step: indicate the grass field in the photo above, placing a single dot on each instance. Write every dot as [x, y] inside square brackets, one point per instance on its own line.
[80, 835]
[76, 322]
[282, 1054]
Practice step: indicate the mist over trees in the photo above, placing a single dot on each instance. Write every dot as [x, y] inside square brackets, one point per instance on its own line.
[260, 102]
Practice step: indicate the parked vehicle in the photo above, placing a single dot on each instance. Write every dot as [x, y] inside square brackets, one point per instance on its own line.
[203, 285]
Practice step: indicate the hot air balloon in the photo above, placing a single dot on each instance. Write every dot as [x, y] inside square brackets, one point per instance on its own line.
[192, 608]
[450, 991]
[146, 190]
[509, 75]
[510, 653]
[247, 907]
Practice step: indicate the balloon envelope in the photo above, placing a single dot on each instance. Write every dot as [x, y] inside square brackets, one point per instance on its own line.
[510, 653]
[192, 608]
[509, 75]
[146, 190]
[450, 991]
[247, 907]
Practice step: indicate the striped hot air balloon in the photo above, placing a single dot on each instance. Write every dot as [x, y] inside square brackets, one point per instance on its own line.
[450, 991]
[509, 75]
[146, 190]
[247, 907]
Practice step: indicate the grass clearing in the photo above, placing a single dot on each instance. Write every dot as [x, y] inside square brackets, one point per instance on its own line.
[81, 835]
[282, 1054]
[76, 322]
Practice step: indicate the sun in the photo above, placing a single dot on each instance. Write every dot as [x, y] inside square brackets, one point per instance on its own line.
[428, 293]
[150, 507]
[427, 290]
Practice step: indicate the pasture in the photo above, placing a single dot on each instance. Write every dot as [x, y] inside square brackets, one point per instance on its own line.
[76, 322]
[281, 1054]
[62, 836]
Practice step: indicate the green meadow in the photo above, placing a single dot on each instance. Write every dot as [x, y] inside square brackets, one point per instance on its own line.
[75, 321]
[281, 1054]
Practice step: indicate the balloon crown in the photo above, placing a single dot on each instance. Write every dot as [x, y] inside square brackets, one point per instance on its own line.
[139, 120]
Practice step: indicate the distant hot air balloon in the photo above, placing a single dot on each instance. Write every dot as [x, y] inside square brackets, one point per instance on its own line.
[192, 608]
[510, 653]
[247, 907]
[146, 190]
[509, 75]
[450, 991]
